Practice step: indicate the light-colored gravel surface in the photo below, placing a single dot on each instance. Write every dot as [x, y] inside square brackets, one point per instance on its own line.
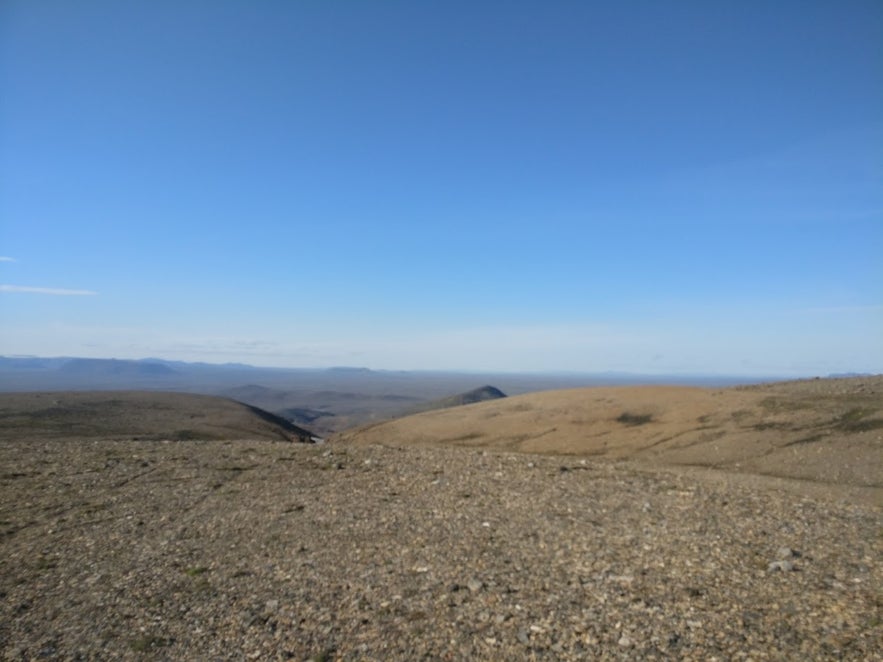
[270, 550]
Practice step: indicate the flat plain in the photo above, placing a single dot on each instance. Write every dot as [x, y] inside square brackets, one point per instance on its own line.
[609, 523]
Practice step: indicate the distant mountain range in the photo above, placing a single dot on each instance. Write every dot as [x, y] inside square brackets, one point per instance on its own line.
[73, 364]
[65, 372]
[103, 367]
[31, 363]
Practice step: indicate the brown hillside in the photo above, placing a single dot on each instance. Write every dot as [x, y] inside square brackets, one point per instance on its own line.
[827, 431]
[137, 415]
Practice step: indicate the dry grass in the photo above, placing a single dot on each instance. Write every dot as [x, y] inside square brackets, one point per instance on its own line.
[827, 432]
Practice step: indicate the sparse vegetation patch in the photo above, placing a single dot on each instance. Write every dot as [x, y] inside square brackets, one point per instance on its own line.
[467, 437]
[867, 425]
[856, 420]
[786, 404]
[631, 418]
[772, 425]
[196, 571]
[148, 643]
[806, 440]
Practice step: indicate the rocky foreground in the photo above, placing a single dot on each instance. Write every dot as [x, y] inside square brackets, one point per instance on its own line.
[272, 550]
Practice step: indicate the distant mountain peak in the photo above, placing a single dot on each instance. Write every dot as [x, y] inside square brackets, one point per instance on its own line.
[482, 393]
[479, 394]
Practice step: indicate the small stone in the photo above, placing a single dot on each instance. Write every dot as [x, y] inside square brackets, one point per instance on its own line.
[781, 566]
[474, 585]
[786, 553]
[272, 605]
[523, 636]
[624, 641]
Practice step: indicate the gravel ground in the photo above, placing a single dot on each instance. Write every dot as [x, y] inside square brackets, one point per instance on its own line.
[270, 550]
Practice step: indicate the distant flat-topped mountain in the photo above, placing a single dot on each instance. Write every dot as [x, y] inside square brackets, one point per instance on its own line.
[138, 415]
[115, 367]
[31, 363]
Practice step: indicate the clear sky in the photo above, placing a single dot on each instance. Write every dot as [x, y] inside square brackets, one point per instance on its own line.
[654, 187]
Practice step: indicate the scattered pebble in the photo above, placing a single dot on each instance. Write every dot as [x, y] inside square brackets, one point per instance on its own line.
[607, 563]
[786, 553]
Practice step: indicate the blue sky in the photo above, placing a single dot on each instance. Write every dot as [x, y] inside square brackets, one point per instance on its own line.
[682, 187]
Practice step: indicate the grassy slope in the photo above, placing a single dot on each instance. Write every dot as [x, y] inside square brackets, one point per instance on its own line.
[827, 432]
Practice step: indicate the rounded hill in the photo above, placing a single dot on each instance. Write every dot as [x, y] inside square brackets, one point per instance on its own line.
[825, 431]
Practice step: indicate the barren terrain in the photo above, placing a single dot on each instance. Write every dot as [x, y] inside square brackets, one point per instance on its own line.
[324, 401]
[824, 432]
[136, 415]
[555, 526]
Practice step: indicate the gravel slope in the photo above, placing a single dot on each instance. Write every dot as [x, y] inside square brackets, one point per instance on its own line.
[272, 550]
